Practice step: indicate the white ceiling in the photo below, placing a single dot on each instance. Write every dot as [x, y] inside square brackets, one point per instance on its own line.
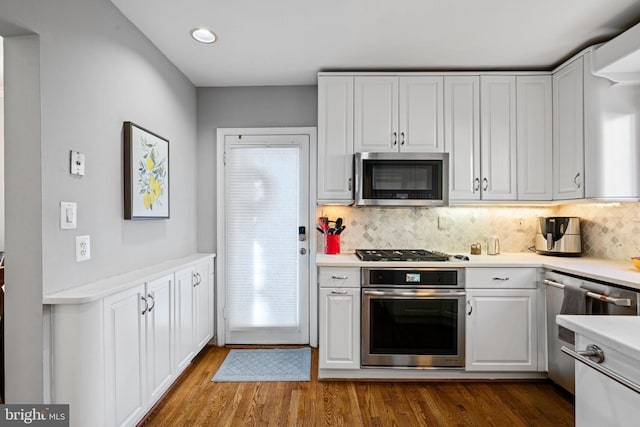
[286, 42]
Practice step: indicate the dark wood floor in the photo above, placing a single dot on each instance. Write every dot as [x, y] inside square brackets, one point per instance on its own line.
[196, 401]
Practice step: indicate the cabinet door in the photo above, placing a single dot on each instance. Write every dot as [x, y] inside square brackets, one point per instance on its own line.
[203, 305]
[535, 132]
[421, 114]
[339, 345]
[376, 114]
[184, 328]
[159, 320]
[498, 138]
[335, 139]
[568, 138]
[125, 356]
[611, 157]
[600, 400]
[462, 135]
[501, 330]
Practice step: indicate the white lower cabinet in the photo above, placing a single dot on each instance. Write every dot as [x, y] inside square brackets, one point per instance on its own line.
[139, 338]
[125, 358]
[193, 311]
[501, 330]
[203, 304]
[601, 400]
[159, 336]
[184, 291]
[339, 323]
[115, 356]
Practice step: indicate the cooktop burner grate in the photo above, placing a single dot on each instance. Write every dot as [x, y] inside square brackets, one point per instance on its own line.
[400, 255]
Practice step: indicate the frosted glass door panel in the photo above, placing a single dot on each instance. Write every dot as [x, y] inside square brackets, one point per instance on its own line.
[265, 202]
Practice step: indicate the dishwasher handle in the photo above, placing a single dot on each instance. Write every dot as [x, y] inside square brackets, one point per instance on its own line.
[623, 302]
[604, 371]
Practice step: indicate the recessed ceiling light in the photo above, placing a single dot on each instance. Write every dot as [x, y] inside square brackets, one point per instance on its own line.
[203, 35]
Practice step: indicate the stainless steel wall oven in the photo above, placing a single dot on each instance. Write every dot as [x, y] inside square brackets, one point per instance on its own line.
[412, 317]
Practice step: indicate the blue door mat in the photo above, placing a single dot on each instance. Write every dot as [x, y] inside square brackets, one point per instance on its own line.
[265, 365]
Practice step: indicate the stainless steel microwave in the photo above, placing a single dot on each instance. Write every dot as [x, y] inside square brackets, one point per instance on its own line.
[402, 179]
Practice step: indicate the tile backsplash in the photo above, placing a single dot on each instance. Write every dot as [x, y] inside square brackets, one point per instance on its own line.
[609, 230]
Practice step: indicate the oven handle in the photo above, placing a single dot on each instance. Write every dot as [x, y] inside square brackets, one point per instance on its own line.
[623, 302]
[415, 294]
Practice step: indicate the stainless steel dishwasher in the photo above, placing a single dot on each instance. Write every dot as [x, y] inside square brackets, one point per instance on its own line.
[607, 299]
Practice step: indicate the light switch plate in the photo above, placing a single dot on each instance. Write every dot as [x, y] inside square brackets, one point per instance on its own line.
[83, 248]
[76, 163]
[68, 215]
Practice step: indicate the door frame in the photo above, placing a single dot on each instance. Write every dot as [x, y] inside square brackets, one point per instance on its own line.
[220, 287]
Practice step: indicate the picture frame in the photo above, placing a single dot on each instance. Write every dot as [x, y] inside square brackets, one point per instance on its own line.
[146, 174]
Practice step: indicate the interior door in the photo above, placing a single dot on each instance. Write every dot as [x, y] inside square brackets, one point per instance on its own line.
[266, 263]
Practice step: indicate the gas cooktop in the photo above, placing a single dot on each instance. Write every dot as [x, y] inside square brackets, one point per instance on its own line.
[400, 255]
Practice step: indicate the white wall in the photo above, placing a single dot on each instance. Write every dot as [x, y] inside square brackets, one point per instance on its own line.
[96, 70]
[236, 107]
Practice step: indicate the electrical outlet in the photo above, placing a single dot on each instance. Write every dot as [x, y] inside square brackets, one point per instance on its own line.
[83, 248]
[443, 224]
[520, 224]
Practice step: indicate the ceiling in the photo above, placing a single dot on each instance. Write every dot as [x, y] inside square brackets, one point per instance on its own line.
[286, 42]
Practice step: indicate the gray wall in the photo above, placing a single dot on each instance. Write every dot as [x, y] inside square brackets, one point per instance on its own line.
[96, 70]
[232, 107]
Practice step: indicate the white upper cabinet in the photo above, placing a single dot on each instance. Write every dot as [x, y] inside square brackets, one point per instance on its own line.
[611, 132]
[462, 135]
[421, 114]
[568, 138]
[398, 114]
[335, 139]
[376, 114]
[498, 137]
[534, 141]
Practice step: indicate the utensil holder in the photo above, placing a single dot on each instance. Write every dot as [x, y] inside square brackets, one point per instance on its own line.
[332, 244]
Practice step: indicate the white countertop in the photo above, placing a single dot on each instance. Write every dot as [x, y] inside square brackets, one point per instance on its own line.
[622, 333]
[618, 272]
[102, 288]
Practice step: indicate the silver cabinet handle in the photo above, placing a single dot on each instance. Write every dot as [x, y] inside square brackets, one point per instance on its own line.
[349, 184]
[395, 139]
[146, 305]
[504, 279]
[485, 184]
[470, 307]
[153, 301]
[339, 293]
[340, 277]
[623, 302]
[575, 180]
[604, 371]
[401, 138]
[476, 184]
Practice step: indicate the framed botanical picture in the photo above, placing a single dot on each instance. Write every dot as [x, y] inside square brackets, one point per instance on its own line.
[146, 174]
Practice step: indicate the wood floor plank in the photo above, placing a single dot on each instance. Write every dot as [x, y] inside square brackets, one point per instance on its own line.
[196, 401]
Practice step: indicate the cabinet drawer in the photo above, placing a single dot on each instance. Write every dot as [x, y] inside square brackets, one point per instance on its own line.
[339, 277]
[507, 278]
